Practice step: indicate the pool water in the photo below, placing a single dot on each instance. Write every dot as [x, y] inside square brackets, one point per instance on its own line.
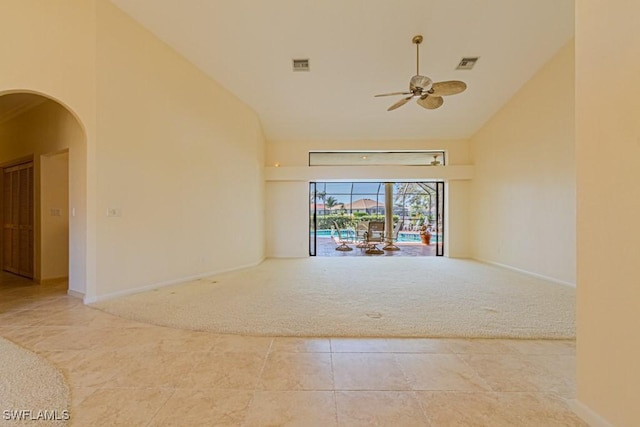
[402, 236]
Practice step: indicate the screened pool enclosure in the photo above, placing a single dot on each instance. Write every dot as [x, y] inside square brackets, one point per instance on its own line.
[407, 209]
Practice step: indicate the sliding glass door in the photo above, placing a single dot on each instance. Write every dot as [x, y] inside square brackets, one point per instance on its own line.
[413, 213]
[313, 196]
[439, 229]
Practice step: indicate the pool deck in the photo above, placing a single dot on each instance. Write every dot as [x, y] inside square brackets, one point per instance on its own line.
[327, 247]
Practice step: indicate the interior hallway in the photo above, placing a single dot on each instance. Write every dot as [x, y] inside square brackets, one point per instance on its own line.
[122, 372]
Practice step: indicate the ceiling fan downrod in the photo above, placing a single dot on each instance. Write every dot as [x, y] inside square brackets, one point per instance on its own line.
[417, 40]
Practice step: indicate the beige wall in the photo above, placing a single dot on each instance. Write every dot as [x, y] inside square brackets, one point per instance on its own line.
[457, 226]
[163, 145]
[40, 132]
[54, 216]
[296, 153]
[288, 187]
[522, 207]
[608, 177]
[180, 159]
[287, 219]
[49, 48]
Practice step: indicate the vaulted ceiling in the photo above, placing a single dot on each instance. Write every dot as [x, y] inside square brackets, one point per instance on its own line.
[359, 48]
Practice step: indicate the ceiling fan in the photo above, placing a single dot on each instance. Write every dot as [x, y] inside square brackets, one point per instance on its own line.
[429, 93]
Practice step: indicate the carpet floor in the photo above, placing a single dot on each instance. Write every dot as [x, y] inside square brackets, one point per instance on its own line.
[362, 297]
[31, 385]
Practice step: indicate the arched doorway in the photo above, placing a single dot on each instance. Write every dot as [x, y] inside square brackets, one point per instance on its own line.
[43, 182]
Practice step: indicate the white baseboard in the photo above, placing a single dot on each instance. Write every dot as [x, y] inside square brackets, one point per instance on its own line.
[75, 294]
[145, 288]
[589, 416]
[289, 257]
[528, 273]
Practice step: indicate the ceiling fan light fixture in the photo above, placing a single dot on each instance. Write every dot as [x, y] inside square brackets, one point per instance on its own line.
[423, 83]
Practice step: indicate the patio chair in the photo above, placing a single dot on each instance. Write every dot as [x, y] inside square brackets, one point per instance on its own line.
[342, 240]
[390, 246]
[361, 234]
[375, 236]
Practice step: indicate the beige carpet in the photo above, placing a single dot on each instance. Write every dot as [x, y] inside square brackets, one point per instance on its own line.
[29, 383]
[372, 297]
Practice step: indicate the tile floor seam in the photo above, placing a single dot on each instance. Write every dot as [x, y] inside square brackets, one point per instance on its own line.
[335, 406]
[412, 391]
[333, 375]
[333, 381]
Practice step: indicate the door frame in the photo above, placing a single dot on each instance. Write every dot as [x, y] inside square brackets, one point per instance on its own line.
[440, 205]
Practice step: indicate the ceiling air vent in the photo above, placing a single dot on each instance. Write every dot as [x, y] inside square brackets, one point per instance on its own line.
[300, 65]
[467, 63]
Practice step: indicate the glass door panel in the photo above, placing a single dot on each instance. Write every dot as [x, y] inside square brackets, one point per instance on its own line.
[439, 219]
[313, 195]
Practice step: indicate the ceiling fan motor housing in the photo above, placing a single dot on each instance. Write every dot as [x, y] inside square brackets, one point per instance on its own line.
[420, 83]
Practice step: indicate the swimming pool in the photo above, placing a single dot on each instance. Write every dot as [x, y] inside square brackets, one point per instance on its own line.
[402, 236]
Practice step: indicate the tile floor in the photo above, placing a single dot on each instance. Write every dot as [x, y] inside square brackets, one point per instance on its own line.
[127, 373]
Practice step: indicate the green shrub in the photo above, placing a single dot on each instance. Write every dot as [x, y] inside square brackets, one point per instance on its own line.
[325, 222]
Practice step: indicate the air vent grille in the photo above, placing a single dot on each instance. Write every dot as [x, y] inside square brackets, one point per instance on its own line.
[300, 65]
[467, 63]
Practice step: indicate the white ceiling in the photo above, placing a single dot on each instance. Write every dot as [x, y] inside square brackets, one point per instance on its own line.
[359, 48]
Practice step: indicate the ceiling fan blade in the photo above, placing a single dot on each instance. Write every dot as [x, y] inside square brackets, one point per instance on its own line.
[400, 103]
[430, 102]
[450, 87]
[393, 93]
